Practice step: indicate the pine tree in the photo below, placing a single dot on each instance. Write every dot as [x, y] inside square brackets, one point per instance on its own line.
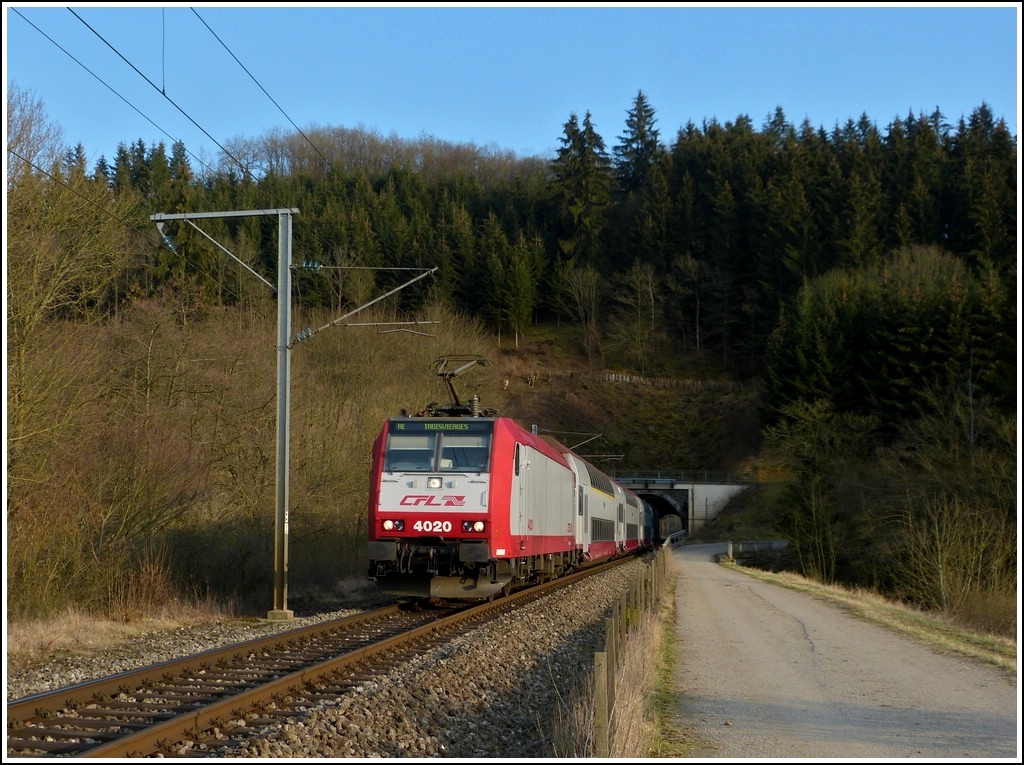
[582, 191]
[639, 149]
[74, 162]
[642, 211]
[103, 172]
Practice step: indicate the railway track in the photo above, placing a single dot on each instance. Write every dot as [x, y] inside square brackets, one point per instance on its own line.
[203, 705]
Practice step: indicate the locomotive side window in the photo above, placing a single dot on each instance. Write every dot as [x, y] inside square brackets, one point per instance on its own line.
[410, 451]
[467, 452]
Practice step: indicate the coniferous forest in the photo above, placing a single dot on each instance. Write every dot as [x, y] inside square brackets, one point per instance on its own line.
[862, 278]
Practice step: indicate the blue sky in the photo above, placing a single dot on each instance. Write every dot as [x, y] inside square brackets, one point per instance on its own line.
[506, 76]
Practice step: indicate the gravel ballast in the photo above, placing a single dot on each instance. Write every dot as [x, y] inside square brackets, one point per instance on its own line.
[492, 692]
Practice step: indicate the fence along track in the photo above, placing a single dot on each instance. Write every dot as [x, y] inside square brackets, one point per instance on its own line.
[185, 706]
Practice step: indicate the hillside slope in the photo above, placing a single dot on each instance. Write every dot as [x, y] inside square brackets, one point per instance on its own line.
[624, 421]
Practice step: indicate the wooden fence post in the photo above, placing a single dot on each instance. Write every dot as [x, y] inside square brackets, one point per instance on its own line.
[623, 616]
[644, 593]
[601, 706]
[613, 648]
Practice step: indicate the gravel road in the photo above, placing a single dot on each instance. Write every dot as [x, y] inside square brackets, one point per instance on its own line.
[766, 672]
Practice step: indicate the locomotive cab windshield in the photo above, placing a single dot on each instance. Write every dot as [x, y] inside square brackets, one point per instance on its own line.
[421, 445]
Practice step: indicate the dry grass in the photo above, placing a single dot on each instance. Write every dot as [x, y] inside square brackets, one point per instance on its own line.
[634, 727]
[667, 739]
[74, 631]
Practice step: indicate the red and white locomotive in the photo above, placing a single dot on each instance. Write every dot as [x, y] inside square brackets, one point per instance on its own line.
[464, 505]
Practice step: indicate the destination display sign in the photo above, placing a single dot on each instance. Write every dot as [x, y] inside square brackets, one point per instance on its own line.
[425, 425]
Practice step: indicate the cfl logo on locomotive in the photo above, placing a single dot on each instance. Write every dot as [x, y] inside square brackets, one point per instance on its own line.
[429, 500]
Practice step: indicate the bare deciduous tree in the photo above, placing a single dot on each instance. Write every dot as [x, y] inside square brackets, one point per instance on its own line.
[636, 322]
[65, 248]
[951, 551]
[581, 291]
[32, 140]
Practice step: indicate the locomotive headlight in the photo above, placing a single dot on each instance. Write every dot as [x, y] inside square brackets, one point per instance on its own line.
[472, 525]
[434, 482]
[390, 525]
